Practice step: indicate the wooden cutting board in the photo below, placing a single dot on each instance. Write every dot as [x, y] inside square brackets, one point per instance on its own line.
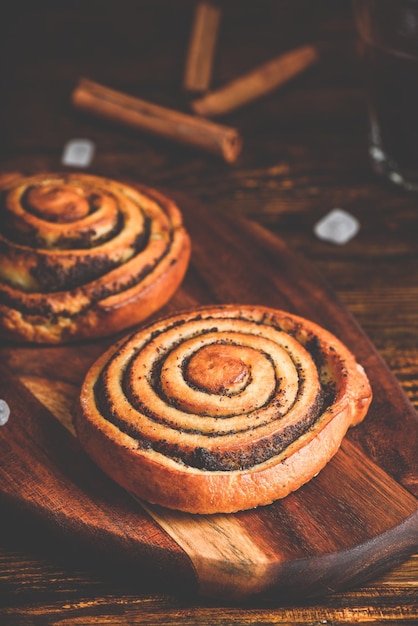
[356, 519]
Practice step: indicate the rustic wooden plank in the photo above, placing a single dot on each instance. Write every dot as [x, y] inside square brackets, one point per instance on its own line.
[347, 525]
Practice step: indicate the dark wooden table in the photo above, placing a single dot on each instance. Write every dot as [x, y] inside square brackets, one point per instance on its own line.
[305, 153]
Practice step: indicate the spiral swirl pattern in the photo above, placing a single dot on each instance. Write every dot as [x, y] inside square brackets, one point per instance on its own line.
[220, 408]
[84, 256]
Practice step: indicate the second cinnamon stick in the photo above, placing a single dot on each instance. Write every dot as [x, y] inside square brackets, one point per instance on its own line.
[256, 83]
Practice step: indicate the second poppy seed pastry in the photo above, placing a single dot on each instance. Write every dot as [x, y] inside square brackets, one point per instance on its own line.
[83, 256]
[222, 408]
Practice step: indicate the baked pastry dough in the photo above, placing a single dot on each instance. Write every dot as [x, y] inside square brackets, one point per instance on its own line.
[84, 256]
[220, 409]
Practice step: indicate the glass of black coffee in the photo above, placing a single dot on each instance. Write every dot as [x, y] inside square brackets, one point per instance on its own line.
[388, 31]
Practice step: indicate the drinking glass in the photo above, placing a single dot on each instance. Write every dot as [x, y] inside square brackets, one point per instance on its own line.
[388, 31]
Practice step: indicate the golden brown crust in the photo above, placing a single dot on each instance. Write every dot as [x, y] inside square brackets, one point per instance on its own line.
[222, 408]
[83, 256]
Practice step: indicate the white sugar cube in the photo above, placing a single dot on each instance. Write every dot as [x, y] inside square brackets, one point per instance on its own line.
[78, 153]
[4, 412]
[337, 226]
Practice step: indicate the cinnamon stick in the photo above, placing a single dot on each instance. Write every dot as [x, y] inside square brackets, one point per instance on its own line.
[256, 83]
[202, 44]
[133, 112]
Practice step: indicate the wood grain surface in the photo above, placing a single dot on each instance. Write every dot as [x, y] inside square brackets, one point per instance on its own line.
[304, 153]
[357, 518]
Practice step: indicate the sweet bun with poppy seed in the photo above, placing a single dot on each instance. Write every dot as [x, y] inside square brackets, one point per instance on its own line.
[83, 256]
[221, 408]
